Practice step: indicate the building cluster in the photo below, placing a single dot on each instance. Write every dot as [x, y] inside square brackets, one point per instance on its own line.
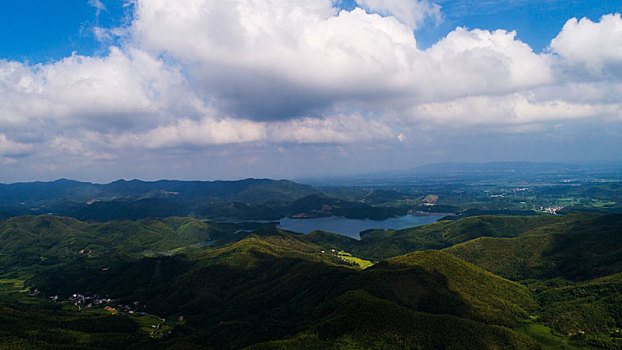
[551, 210]
[87, 300]
[521, 189]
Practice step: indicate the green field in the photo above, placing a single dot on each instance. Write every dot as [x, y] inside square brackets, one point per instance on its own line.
[363, 264]
[8, 286]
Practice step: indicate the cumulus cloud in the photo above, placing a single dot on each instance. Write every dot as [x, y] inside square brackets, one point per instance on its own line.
[210, 130]
[205, 73]
[204, 132]
[339, 128]
[88, 146]
[12, 149]
[279, 60]
[513, 109]
[597, 46]
[120, 90]
[480, 61]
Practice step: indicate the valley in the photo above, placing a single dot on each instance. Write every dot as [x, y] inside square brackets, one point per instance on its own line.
[310, 174]
[537, 281]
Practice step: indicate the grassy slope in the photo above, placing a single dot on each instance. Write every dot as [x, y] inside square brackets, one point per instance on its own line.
[566, 261]
[580, 248]
[572, 267]
[277, 287]
[492, 299]
[380, 244]
[362, 321]
[48, 240]
[592, 306]
[48, 327]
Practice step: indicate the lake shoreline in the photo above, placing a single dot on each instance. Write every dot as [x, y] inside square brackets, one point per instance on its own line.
[353, 227]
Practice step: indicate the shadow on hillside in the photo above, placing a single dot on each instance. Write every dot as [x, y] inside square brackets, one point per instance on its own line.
[588, 249]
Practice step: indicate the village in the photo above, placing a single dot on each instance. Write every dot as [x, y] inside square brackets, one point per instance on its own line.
[156, 326]
[85, 300]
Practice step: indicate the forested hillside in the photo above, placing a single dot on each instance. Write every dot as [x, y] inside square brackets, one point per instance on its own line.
[501, 283]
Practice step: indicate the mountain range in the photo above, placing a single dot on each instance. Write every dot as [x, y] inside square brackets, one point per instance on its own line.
[476, 283]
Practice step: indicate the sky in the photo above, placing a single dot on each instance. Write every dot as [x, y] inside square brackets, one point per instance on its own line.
[98, 90]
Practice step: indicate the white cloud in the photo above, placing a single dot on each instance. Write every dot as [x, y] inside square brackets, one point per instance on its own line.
[102, 34]
[12, 149]
[82, 147]
[98, 5]
[279, 60]
[479, 61]
[114, 91]
[595, 45]
[339, 128]
[511, 110]
[203, 73]
[204, 132]
[409, 12]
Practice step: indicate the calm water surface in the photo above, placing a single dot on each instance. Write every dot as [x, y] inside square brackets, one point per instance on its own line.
[352, 227]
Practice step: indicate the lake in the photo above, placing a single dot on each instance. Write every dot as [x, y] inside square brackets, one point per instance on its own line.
[352, 227]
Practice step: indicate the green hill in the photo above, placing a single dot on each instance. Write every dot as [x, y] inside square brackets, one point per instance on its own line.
[593, 306]
[249, 199]
[572, 267]
[361, 321]
[581, 247]
[31, 245]
[382, 244]
[276, 289]
[275, 286]
[49, 327]
[492, 299]
[53, 234]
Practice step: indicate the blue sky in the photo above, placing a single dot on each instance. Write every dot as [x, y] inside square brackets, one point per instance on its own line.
[101, 89]
[536, 22]
[42, 30]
